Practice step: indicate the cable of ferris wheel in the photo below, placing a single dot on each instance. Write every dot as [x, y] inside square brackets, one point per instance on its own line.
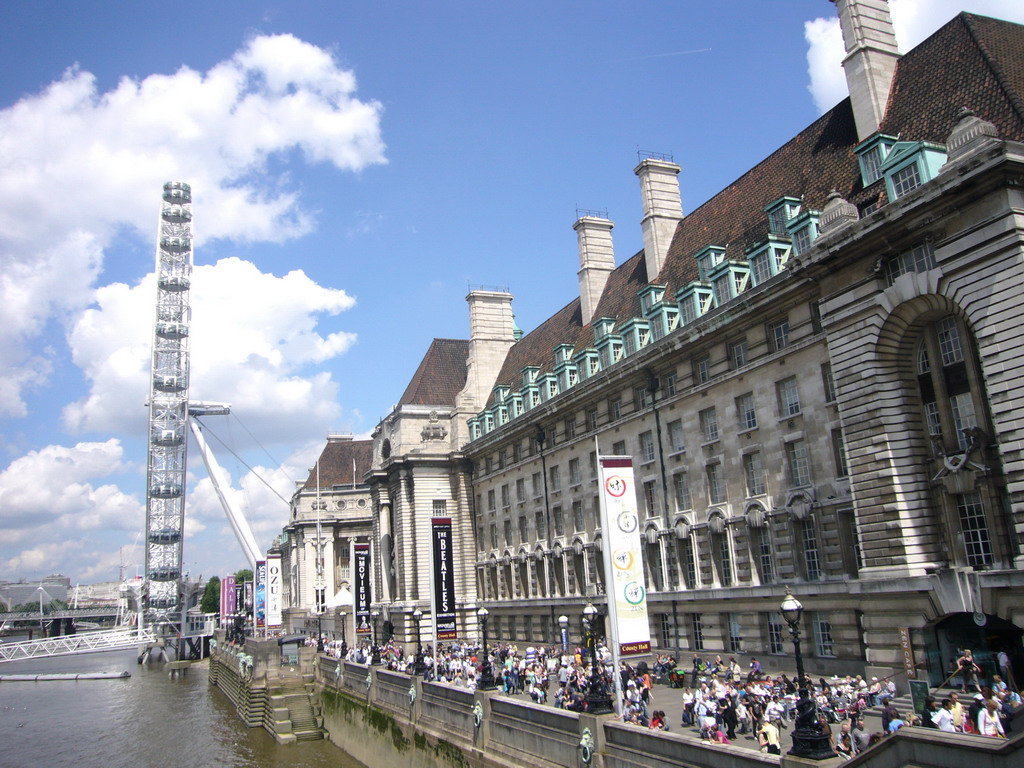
[239, 459]
[256, 440]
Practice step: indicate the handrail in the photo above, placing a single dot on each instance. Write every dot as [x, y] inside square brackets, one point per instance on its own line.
[88, 642]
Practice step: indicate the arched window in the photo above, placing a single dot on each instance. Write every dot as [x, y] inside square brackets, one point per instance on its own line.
[954, 415]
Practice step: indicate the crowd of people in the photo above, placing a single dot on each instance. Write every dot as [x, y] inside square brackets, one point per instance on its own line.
[720, 700]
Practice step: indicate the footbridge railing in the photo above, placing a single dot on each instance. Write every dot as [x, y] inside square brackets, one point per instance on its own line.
[87, 642]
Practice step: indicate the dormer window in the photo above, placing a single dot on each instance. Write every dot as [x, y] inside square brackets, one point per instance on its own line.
[708, 259]
[871, 154]
[909, 165]
[694, 300]
[650, 297]
[780, 212]
[767, 259]
[587, 363]
[602, 327]
[728, 280]
[563, 353]
[803, 229]
[501, 394]
[635, 335]
[530, 374]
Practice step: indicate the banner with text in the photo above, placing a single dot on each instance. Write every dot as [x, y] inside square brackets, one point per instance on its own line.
[627, 592]
[444, 579]
[260, 600]
[363, 593]
[273, 590]
[228, 602]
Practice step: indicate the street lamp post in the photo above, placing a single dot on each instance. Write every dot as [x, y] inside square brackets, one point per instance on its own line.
[563, 622]
[319, 632]
[810, 739]
[375, 656]
[598, 700]
[418, 667]
[344, 645]
[486, 682]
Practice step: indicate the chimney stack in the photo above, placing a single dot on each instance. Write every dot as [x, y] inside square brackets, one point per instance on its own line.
[597, 260]
[870, 63]
[663, 209]
[491, 334]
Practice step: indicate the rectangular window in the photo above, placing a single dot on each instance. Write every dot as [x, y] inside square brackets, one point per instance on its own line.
[681, 486]
[521, 490]
[570, 428]
[697, 632]
[822, 634]
[738, 354]
[799, 464]
[828, 383]
[716, 485]
[702, 369]
[778, 335]
[535, 484]
[491, 503]
[505, 501]
[646, 447]
[709, 424]
[689, 563]
[507, 530]
[555, 476]
[745, 413]
[962, 407]
[870, 162]
[592, 419]
[918, 259]
[765, 557]
[614, 409]
[651, 498]
[494, 535]
[732, 623]
[593, 464]
[578, 522]
[753, 468]
[619, 448]
[574, 472]
[670, 385]
[789, 397]
[724, 558]
[557, 521]
[540, 524]
[675, 435]
[775, 633]
[905, 180]
[440, 507]
[524, 529]
[839, 453]
[723, 289]
[761, 267]
[641, 397]
[802, 239]
[812, 557]
[974, 526]
[949, 341]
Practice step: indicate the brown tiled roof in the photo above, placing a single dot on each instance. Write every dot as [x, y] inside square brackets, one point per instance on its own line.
[972, 61]
[441, 375]
[336, 463]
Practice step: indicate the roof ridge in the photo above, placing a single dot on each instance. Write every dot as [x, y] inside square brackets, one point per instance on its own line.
[1015, 99]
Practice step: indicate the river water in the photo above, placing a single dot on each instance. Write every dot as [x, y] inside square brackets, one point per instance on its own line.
[144, 721]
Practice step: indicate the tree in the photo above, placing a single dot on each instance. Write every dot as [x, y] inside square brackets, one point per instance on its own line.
[211, 596]
[243, 576]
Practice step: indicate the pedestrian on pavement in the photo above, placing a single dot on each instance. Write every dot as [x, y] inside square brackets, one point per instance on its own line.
[768, 738]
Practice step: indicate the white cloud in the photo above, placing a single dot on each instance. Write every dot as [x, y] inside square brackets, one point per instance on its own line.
[52, 505]
[913, 20]
[252, 336]
[77, 166]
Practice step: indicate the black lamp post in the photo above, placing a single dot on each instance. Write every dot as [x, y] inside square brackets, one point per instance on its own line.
[418, 667]
[375, 656]
[598, 700]
[486, 681]
[810, 739]
[319, 633]
[344, 645]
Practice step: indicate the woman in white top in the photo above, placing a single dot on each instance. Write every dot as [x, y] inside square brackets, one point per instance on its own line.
[988, 720]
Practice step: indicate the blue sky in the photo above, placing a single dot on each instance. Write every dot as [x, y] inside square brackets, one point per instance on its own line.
[356, 167]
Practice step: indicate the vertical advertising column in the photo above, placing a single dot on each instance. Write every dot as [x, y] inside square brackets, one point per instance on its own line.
[443, 597]
[626, 588]
[363, 593]
[260, 599]
[273, 591]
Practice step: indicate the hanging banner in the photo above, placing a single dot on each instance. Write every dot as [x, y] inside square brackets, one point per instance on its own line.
[227, 598]
[443, 603]
[260, 599]
[627, 591]
[362, 595]
[273, 590]
[243, 596]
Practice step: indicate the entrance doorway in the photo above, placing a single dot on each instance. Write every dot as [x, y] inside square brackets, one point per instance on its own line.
[983, 633]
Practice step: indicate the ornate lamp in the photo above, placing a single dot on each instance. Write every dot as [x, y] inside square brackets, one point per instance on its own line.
[810, 740]
[418, 667]
[563, 622]
[598, 700]
[486, 681]
[375, 656]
